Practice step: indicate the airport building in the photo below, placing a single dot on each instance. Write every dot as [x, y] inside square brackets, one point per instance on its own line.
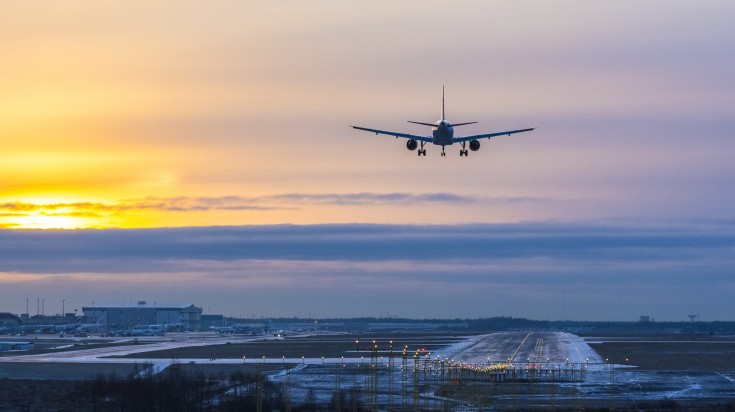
[144, 313]
[9, 319]
[212, 320]
[15, 346]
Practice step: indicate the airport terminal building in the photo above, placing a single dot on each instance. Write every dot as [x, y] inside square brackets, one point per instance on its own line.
[144, 313]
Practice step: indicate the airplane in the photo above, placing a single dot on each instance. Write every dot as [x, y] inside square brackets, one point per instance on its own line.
[180, 325]
[242, 328]
[148, 330]
[65, 327]
[40, 329]
[255, 327]
[89, 327]
[223, 329]
[442, 134]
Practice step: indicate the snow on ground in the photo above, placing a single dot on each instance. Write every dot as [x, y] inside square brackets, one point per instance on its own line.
[455, 349]
[578, 351]
[155, 368]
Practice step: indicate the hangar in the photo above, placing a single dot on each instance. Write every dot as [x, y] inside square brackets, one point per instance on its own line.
[9, 319]
[143, 313]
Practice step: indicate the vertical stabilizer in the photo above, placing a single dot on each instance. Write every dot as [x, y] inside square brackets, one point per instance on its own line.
[443, 118]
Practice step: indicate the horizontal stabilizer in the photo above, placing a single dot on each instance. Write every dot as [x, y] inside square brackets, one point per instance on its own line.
[462, 124]
[422, 123]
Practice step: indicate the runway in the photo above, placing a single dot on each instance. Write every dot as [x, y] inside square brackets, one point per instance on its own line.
[522, 347]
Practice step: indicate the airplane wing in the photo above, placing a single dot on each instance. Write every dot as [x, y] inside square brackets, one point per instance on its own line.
[488, 135]
[395, 134]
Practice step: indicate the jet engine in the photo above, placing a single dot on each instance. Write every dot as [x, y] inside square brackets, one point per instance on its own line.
[411, 144]
[474, 145]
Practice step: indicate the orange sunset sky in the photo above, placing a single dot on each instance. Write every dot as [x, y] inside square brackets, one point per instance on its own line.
[115, 114]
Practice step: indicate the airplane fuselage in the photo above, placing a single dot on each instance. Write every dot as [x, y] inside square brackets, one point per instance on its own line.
[443, 133]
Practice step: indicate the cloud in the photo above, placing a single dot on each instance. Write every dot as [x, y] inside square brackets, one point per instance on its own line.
[606, 271]
[188, 204]
[172, 204]
[364, 242]
[365, 198]
[278, 201]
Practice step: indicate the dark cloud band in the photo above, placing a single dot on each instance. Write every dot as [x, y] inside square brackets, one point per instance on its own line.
[64, 250]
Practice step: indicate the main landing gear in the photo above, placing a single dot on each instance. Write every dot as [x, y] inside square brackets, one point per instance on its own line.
[463, 150]
[422, 151]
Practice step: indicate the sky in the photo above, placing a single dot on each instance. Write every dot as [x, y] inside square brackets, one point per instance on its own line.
[118, 120]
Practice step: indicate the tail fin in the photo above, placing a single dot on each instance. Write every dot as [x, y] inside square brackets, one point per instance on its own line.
[443, 118]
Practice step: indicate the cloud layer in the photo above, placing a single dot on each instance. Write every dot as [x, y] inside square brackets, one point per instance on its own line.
[632, 119]
[605, 271]
[283, 201]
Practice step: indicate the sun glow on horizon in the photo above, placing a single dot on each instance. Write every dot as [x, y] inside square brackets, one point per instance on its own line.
[65, 213]
[46, 214]
[46, 221]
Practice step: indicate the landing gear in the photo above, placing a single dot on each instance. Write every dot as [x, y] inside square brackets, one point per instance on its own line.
[443, 154]
[463, 151]
[422, 151]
